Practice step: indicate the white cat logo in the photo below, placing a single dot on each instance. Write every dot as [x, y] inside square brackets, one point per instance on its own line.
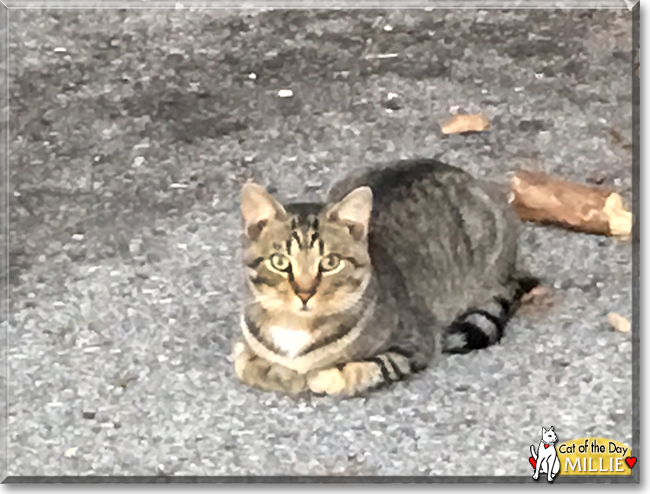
[545, 460]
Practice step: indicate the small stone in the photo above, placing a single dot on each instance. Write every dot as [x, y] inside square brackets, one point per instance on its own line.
[531, 125]
[89, 414]
[152, 257]
[123, 381]
[135, 246]
[71, 452]
[192, 227]
[392, 103]
[285, 93]
[142, 272]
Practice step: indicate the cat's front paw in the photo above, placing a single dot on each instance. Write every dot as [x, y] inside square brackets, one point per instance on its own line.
[326, 381]
[354, 378]
[535, 476]
[262, 374]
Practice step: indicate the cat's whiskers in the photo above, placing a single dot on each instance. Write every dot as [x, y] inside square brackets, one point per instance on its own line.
[267, 302]
[353, 301]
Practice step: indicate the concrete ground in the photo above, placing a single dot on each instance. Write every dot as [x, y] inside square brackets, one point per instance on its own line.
[131, 135]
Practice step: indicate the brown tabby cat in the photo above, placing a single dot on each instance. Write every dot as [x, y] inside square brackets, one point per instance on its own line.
[401, 264]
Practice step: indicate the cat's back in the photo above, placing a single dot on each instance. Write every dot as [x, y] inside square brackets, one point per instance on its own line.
[396, 181]
[437, 220]
[430, 198]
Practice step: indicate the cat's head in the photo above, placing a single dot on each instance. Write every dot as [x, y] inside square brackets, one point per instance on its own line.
[307, 259]
[549, 436]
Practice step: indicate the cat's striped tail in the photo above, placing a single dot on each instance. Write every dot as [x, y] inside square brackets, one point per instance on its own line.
[480, 327]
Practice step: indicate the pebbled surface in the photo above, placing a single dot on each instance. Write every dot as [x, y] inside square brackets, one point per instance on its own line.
[131, 134]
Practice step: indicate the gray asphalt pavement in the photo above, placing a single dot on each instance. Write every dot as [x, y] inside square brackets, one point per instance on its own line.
[131, 135]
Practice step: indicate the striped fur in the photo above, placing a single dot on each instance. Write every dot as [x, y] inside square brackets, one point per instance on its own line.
[478, 328]
[398, 266]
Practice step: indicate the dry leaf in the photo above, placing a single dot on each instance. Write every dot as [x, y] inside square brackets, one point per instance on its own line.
[618, 322]
[465, 123]
[537, 302]
[540, 295]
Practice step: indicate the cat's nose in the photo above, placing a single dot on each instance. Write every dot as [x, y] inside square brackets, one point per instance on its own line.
[305, 287]
[305, 296]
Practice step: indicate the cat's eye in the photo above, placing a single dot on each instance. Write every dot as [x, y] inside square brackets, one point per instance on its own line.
[280, 262]
[330, 263]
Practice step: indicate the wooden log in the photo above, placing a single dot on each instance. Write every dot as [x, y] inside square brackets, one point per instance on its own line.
[542, 199]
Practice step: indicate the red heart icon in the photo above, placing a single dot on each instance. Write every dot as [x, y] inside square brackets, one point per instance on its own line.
[631, 461]
[534, 463]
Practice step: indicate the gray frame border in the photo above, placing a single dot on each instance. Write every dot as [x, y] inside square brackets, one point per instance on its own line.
[250, 4]
[322, 4]
[636, 237]
[4, 234]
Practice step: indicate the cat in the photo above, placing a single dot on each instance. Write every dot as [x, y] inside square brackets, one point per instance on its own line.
[545, 460]
[399, 265]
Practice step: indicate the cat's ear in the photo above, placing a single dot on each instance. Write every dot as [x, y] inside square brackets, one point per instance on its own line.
[551, 429]
[354, 211]
[257, 208]
[543, 431]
